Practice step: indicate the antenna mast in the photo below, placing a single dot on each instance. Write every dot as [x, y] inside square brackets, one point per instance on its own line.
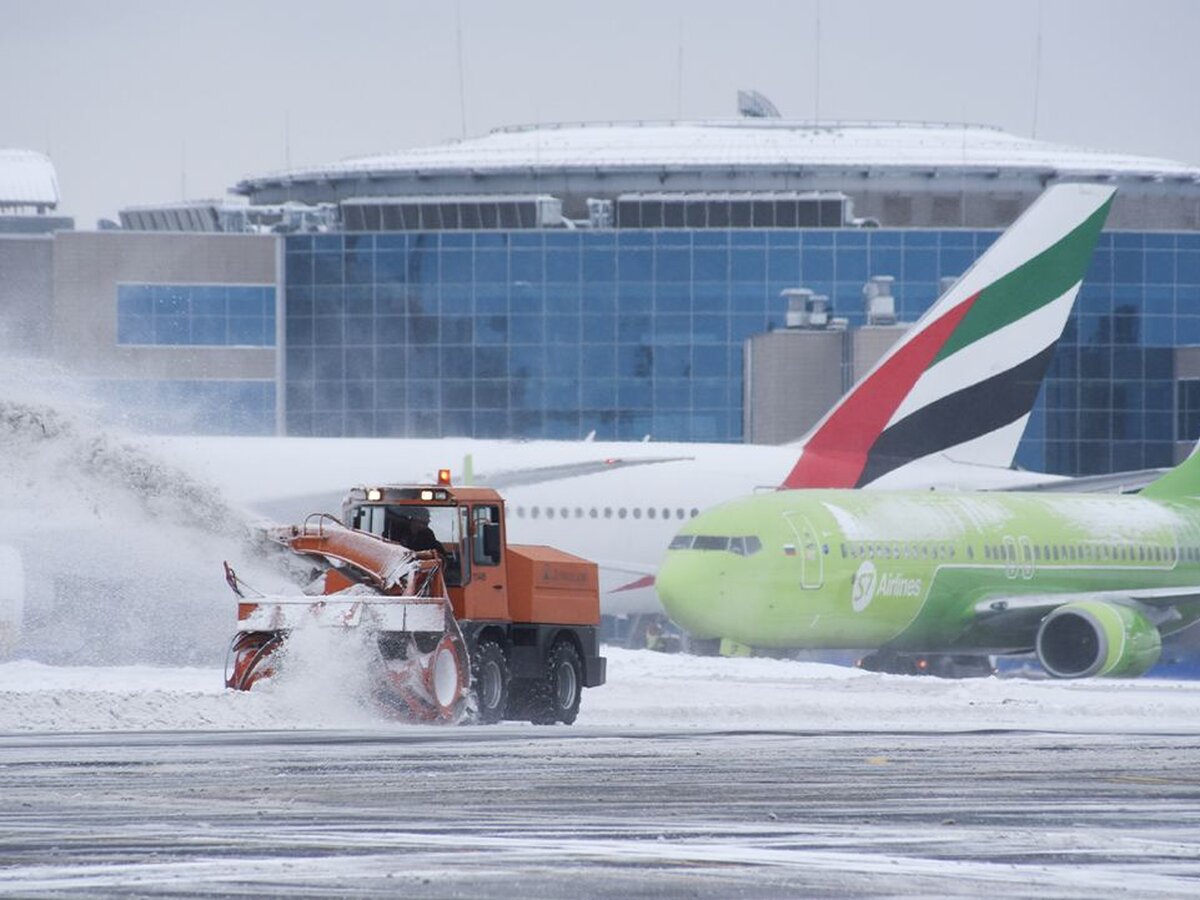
[817, 79]
[679, 75]
[462, 88]
[1037, 68]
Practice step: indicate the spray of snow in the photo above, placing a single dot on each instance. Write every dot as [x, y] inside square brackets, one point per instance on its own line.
[121, 551]
[325, 674]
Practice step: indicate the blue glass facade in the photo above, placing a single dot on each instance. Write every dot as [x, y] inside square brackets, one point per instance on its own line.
[1109, 401]
[626, 333]
[214, 315]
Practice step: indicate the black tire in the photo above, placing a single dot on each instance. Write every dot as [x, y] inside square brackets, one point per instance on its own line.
[489, 681]
[556, 695]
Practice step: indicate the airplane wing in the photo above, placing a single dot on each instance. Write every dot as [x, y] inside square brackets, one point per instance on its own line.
[634, 570]
[509, 478]
[623, 583]
[973, 476]
[1019, 615]
[1115, 482]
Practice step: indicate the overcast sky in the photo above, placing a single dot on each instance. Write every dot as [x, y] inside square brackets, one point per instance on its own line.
[146, 102]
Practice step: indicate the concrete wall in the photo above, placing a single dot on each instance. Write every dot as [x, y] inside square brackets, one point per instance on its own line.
[26, 293]
[35, 224]
[869, 344]
[88, 266]
[794, 376]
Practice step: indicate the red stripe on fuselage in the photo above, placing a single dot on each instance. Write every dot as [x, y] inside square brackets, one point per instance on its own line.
[835, 456]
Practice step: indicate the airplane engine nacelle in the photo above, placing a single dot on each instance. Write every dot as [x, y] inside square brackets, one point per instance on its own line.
[1095, 638]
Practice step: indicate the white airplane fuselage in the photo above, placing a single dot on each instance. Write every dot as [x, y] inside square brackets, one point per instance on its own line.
[623, 516]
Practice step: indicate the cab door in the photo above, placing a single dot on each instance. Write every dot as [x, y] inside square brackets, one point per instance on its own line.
[808, 549]
[484, 547]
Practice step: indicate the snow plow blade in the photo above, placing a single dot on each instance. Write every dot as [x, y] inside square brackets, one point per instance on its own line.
[420, 668]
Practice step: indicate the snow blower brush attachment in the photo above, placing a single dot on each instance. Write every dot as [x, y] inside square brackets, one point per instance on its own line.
[420, 667]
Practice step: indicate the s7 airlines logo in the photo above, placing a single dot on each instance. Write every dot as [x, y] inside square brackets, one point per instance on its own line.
[864, 586]
[868, 584]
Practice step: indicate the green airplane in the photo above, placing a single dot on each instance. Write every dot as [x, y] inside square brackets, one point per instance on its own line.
[1091, 583]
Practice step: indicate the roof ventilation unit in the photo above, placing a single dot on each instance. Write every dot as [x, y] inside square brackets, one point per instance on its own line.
[805, 309]
[600, 213]
[549, 212]
[880, 305]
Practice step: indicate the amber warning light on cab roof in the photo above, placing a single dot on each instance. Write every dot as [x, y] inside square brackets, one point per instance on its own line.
[444, 477]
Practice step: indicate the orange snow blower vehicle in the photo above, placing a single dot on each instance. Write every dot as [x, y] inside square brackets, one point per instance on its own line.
[467, 627]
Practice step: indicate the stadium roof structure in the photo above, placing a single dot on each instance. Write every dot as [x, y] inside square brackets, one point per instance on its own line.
[743, 143]
[27, 179]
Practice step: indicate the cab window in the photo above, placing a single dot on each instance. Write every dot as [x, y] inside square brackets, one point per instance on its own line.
[485, 535]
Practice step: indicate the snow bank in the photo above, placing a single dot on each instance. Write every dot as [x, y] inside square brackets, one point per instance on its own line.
[647, 689]
[644, 691]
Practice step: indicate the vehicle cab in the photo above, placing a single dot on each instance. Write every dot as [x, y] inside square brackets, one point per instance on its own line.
[467, 523]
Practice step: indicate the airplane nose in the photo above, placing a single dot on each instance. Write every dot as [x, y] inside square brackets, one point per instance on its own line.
[683, 593]
[668, 581]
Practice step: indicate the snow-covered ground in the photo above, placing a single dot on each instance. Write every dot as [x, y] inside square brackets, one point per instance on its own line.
[644, 691]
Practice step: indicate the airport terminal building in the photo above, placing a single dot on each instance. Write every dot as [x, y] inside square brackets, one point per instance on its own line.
[625, 280]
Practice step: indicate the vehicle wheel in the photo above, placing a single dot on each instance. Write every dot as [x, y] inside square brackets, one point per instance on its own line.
[556, 696]
[489, 681]
[521, 692]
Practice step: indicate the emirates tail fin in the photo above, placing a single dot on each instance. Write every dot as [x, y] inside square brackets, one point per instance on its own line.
[963, 380]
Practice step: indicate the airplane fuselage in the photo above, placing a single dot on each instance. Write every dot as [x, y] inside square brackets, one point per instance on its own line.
[623, 518]
[920, 571]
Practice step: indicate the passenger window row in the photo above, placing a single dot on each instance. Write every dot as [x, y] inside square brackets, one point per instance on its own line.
[739, 546]
[1094, 552]
[898, 550]
[608, 512]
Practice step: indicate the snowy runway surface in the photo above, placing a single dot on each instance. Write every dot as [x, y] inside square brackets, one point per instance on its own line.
[509, 811]
[683, 777]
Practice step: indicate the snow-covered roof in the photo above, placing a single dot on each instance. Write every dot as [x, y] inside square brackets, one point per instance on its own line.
[27, 178]
[746, 142]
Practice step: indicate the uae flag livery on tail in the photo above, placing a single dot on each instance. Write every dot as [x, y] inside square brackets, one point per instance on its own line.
[961, 382]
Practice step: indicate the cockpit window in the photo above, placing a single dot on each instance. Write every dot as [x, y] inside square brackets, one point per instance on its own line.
[738, 545]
